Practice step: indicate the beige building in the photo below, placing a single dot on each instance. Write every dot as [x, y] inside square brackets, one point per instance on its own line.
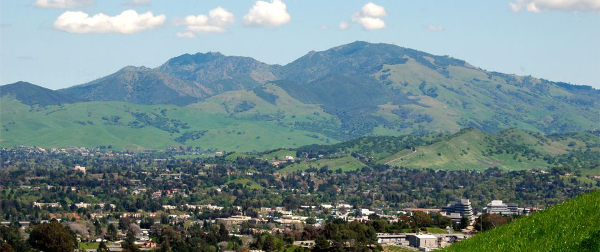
[423, 241]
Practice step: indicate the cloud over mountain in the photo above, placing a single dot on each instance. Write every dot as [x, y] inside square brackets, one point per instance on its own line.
[370, 16]
[127, 22]
[265, 14]
[217, 20]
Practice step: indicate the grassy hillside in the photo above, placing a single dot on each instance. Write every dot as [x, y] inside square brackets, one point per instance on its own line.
[570, 226]
[346, 163]
[470, 149]
[508, 150]
[132, 126]
[270, 103]
[356, 90]
[34, 95]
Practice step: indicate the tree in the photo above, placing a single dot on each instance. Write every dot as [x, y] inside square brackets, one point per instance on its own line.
[420, 219]
[5, 247]
[271, 243]
[11, 240]
[102, 247]
[111, 231]
[321, 244]
[443, 222]
[53, 237]
[489, 221]
[97, 228]
[129, 243]
[464, 222]
[223, 233]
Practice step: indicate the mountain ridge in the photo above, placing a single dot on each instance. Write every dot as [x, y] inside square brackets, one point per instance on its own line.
[32, 94]
[342, 93]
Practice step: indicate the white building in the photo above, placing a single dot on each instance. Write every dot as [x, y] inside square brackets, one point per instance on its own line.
[423, 241]
[79, 168]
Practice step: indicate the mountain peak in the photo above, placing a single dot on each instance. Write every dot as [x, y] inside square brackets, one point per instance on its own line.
[32, 94]
[186, 59]
[134, 69]
[22, 84]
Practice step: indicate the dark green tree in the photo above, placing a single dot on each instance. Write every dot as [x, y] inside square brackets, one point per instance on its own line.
[53, 237]
[11, 240]
[111, 231]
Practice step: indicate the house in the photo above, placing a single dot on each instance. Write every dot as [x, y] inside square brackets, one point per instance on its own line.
[305, 244]
[234, 220]
[79, 168]
[326, 206]
[344, 206]
[149, 244]
[366, 212]
[169, 207]
[391, 238]
[114, 247]
[423, 241]
[82, 205]
[40, 205]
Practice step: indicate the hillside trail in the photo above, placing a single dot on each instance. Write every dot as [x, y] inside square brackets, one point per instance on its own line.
[401, 157]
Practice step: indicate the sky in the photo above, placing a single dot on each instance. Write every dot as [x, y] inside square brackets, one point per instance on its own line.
[61, 43]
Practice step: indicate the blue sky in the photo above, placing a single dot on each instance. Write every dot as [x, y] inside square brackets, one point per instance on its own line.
[56, 47]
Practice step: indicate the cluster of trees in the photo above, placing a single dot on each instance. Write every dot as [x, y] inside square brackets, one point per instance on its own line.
[52, 236]
[372, 186]
[334, 235]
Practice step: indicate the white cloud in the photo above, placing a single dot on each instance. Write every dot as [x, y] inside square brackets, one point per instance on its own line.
[373, 10]
[435, 28]
[127, 22]
[324, 27]
[138, 2]
[370, 17]
[344, 25]
[61, 4]
[370, 23]
[185, 35]
[217, 20]
[538, 6]
[265, 14]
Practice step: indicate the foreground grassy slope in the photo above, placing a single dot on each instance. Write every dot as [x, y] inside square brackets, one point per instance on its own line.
[133, 126]
[570, 226]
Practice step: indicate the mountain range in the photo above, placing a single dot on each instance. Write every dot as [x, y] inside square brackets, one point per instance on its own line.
[239, 103]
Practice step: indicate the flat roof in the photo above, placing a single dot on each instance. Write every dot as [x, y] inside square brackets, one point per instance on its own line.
[426, 236]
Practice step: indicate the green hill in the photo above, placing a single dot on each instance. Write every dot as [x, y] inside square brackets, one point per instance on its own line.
[508, 150]
[571, 226]
[470, 149]
[368, 88]
[31, 94]
[132, 126]
[343, 93]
